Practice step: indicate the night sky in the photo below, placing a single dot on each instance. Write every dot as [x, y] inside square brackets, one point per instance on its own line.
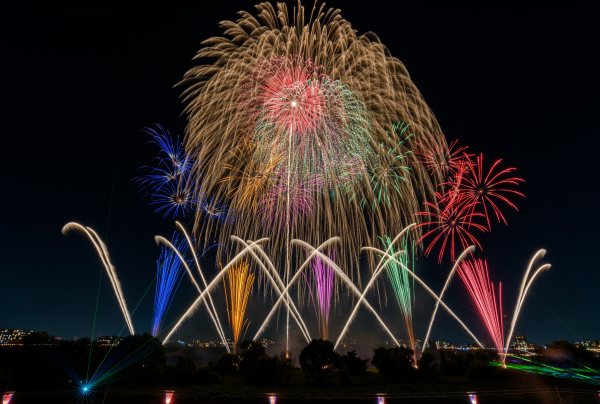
[80, 81]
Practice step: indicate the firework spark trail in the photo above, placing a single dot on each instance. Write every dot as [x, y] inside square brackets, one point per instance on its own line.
[278, 285]
[192, 309]
[475, 188]
[161, 240]
[240, 286]
[386, 255]
[168, 279]
[525, 284]
[214, 313]
[475, 275]
[452, 222]
[357, 70]
[401, 286]
[323, 277]
[110, 269]
[462, 256]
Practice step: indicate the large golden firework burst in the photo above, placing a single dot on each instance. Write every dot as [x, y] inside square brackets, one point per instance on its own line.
[216, 123]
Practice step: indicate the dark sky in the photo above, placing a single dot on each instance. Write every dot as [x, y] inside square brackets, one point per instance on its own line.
[80, 81]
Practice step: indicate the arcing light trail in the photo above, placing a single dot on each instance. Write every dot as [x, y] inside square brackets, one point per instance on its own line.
[110, 269]
[525, 284]
[461, 257]
[212, 313]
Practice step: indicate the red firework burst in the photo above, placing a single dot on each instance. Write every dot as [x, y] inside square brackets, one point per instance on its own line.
[286, 92]
[474, 189]
[474, 274]
[434, 156]
[451, 223]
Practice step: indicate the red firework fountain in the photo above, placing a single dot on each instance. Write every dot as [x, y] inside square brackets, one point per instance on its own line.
[474, 274]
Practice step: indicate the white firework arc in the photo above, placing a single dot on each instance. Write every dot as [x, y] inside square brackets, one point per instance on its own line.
[212, 305]
[347, 280]
[291, 282]
[462, 256]
[214, 318]
[525, 284]
[378, 251]
[376, 273]
[295, 313]
[110, 269]
[253, 246]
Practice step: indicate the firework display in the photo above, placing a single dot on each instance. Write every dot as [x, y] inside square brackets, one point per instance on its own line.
[303, 133]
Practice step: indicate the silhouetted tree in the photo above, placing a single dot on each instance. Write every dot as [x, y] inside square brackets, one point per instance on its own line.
[395, 364]
[318, 360]
[251, 352]
[354, 364]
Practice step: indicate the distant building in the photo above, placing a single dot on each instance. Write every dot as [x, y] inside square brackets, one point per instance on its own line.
[112, 340]
[520, 342]
[266, 342]
[13, 337]
[589, 345]
[353, 341]
[440, 344]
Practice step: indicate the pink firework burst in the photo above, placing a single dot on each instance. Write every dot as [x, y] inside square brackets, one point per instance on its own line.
[451, 223]
[435, 157]
[474, 189]
[289, 198]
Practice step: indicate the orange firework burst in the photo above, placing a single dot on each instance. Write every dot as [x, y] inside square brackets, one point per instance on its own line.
[252, 177]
